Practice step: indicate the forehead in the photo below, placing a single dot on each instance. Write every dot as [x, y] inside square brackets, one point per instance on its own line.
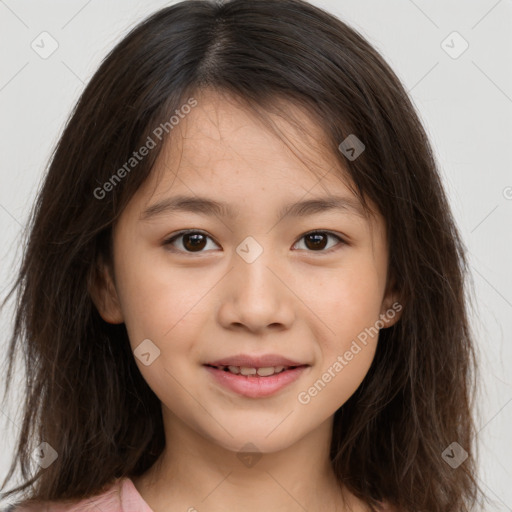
[224, 144]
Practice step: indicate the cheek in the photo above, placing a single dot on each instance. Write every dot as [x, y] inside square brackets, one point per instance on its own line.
[157, 300]
[165, 307]
[346, 357]
[347, 305]
[335, 383]
[346, 301]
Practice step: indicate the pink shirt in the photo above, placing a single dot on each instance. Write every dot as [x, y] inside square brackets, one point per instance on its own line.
[122, 496]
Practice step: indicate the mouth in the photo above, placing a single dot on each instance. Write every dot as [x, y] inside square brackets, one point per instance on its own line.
[249, 371]
[255, 382]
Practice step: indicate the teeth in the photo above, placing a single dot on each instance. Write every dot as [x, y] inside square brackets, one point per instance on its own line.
[248, 371]
[262, 372]
[265, 372]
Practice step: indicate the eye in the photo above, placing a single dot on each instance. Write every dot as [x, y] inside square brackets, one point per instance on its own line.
[317, 240]
[191, 240]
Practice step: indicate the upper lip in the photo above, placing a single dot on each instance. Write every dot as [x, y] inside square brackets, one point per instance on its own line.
[262, 361]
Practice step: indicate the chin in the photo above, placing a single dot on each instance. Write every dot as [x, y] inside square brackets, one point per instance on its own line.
[256, 440]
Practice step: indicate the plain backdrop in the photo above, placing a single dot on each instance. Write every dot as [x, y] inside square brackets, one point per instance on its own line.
[464, 99]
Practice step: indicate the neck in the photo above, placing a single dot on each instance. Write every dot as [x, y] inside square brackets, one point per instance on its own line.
[194, 473]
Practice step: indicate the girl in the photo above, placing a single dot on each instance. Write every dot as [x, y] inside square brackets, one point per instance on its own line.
[243, 287]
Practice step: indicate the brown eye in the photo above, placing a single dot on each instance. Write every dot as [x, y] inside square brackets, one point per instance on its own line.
[194, 242]
[317, 241]
[189, 241]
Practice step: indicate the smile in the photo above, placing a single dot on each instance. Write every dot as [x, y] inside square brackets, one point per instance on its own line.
[261, 372]
[255, 382]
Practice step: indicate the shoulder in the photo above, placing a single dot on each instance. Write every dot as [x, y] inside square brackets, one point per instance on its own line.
[121, 496]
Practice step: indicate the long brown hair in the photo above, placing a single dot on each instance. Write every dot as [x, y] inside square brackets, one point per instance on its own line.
[85, 396]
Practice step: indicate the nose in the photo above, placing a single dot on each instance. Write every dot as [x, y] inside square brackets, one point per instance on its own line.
[257, 296]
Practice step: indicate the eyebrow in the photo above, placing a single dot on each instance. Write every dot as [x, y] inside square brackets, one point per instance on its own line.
[206, 206]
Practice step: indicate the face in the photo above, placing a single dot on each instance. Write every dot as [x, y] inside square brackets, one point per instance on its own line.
[257, 324]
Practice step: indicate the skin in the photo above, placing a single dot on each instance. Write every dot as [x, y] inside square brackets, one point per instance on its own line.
[304, 303]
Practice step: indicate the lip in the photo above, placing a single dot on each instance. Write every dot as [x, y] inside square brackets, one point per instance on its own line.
[261, 361]
[254, 386]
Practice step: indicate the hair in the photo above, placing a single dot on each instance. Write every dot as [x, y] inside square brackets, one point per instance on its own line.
[85, 396]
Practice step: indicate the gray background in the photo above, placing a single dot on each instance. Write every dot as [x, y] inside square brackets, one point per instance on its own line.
[465, 104]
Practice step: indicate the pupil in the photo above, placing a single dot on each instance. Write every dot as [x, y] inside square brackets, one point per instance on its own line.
[194, 241]
[316, 238]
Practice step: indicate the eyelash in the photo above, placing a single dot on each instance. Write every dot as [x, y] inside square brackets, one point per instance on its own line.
[169, 241]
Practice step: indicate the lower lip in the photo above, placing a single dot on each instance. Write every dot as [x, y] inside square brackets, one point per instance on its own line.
[255, 386]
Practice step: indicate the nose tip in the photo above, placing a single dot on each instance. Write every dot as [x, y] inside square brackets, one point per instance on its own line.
[256, 298]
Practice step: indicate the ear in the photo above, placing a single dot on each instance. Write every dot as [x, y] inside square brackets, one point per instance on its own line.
[392, 307]
[104, 294]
